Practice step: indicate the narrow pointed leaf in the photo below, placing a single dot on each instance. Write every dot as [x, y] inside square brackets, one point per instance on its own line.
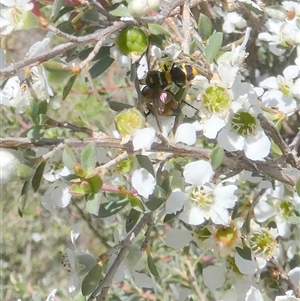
[38, 175]
[23, 198]
[213, 47]
[132, 219]
[151, 266]
[69, 86]
[91, 280]
[145, 162]
[68, 157]
[88, 156]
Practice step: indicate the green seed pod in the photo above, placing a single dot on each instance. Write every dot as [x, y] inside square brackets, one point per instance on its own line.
[132, 41]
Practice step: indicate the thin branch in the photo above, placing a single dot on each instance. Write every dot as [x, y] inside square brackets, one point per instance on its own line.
[235, 162]
[127, 242]
[286, 277]
[67, 125]
[94, 37]
[112, 162]
[273, 133]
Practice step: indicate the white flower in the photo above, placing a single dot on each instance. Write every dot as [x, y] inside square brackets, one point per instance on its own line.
[243, 130]
[14, 15]
[57, 195]
[143, 182]
[207, 202]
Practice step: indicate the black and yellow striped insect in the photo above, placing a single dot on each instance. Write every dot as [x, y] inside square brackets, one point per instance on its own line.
[160, 101]
[180, 75]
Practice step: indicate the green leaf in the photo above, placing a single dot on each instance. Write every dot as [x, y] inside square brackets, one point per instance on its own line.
[298, 187]
[154, 203]
[36, 132]
[99, 67]
[23, 198]
[217, 156]
[169, 217]
[91, 280]
[136, 203]
[77, 190]
[69, 86]
[158, 30]
[118, 106]
[68, 157]
[132, 219]
[88, 156]
[151, 266]
[34, 107]
[24, 172]
[204, 27]
[92, 205]
[213, 46]
[95, 182]
[56, 7]
[38, 175]
[111, 208]
[146, 163]
[244, 253]
[120, 11]
[79, 297]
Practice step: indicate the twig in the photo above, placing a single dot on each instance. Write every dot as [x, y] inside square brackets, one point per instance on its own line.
[52, 152]
[69, 126]
[94, 37]
[273, 133]
[286, 277]
[234, 163]
[186, 26]
[112, 162]
[88, 220]
[106, 282]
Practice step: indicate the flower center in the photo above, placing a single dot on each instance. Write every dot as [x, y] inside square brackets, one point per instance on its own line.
[243, 123]
[216, 99]
[227, 235]
[201, 198]
[262, 243]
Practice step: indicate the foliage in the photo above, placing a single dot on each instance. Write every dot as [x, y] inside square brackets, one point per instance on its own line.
[150, 150]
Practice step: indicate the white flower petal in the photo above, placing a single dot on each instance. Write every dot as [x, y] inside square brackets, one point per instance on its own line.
[263, 211]
[143, 182]
[185, 133]
[219, 216]
[247, 267]
[225, 195]
[175, 201]
[214, 276]
[194, 216]
[143, 138]
[254, 295]
[257, 147]
[230, 140]
[198, 172]
[177, 238]
[212, 126]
